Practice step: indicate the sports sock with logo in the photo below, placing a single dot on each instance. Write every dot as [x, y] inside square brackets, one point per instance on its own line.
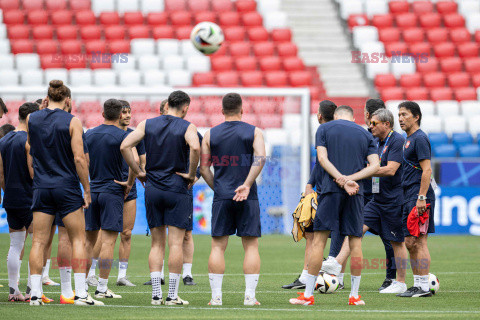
[36, 280]
[424, 283]
[91, 272]
[303, 278]
[187, 270]
[216, 280]
[173, 282]
[122, 269]
[46, 269]
[66, 281]
[355, 280]
[80, 285]
[416, 280]
[251, 282]
[340, 278]
[17, 240]
[102, 285]
[156, 284]
[309, 285]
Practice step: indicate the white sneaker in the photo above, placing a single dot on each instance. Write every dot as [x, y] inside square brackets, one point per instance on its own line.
[125, 282]
[46, 281]
[249, 301]
[156, 301]
[35, 301]
[175, 302]
[92, 281]
[395, 287]
[331, 266]
[87, 301]
[109, 294]
[216, 302]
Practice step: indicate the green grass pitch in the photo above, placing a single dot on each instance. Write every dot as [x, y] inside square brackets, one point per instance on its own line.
[455, 261]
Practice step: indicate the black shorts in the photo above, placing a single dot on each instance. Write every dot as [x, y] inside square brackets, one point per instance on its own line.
[384, 220]
[105, 212]
[166, 208]
[230, 217]
[19, 218]
[133, 194]
[58, 202]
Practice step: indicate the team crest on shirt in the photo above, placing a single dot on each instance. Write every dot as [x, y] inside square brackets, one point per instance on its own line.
[407, 144]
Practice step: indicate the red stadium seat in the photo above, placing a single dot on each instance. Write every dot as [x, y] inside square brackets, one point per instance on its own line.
[91, 33]
[19, 32]
[234, 34]
[257, 34]
[133, 18]
[460, 35]
[205, 16]
[465, 94]
[71, 47]
[293, 64]
[382, 21]
[198, 119]
[139, 32]
[477, 36]
[396, 48]
[271, 121]
[216, 119]
[14, 17]
[229, 19]
[175, 5]
[90, 107]
[157, 18]
[410, 80]
[223, 49]
[476, 80]
[385, 81]
[262, 106]
[270, 64]
[446, 49]
[300, 78]
[119, 46]
[221, 63]
[47, 47]
[92, 120]
[246, 5]
[430, 66]
[276, 79]
[50, 61]
[392, 94]
[437, 35]
[357, 20]
[434, 79]
[451, 65]
[203, 79]
[417, 93]
[468, 49]
[388, 35]
[9, 5]
[222, 5]
[181, 18]
[21, 46]
[33, 5]
[262, 49]
[247, 63]
[96, 46]
[102, 64]
[437, 94]
[239, 49]
[37, 17]
[421, 48]
[67, 32]
[459, 80]
[472, 65]
[252, 79]
[79, 5]
[422, 7]
[196, 105]
[406, 20]
[413, 35]
[287, 49]
[115, 32]
[398, 6]
[60, 18]
[183, 33]
[199, 5]
[85, 17]
[430, 20]
[42, 32]
[281, 35]
[109, 18]
[454, 20]
[445, 7]
[162, 32]
[252, 19]
[73, 62]
[228, 79]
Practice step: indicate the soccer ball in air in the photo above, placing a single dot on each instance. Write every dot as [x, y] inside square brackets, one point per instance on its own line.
[207, 37]
[326, 283]
[433, 283]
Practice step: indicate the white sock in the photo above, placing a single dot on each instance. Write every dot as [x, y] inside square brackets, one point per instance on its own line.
[46, 269]
[340, 278]
[309, 285]
[162, 275]
[17, 240]
[187, 270]
[36, 285]
[80, 285]
[122, 269]
[102, 285]
[216, 280]
[66, 281]
[91, 272]
[19, 267]
[424, 283]
[330, 257]
[173, 282]
[251, 281]
[156, 284]
[29, 278]
[303, 278]
[416, 281]
[355, 286]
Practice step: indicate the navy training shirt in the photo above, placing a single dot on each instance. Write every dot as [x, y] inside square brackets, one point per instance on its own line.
[85, 147]
[417, 147]
[167, 153]
[51, 149]
[141, 151]
[391, 191]
[231, 145]
[106, 160]
[18, 183]
[198, 175]
[367, 183]
[348, 146]
[316, 176]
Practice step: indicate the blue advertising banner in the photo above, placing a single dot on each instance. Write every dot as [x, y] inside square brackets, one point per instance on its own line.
[459, 173]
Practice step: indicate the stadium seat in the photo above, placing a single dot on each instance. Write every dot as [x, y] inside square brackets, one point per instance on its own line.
[466, 93]
[437, 94]
[7, 61]
[42, 32]
[109, 18]
[247, 63]
[133, 18]
[251, 78]
[396, 48]
[252, 19]
[229, 19]
[175, 5]
[119, 46]
[173, 62]
[79, 5]
[239, 49]
[287, 49]
[79, 77]
[154, 78]
[427, 107]
[53, 74]
[50, 61]
[21, 46]
[445, 151]
[198, 64]
[364, 34]
[417, 93]
[70, 47]
[142, 46]
[381, 21]
[228, 79]
[437, 139]
[448, 108]
[476, 80]
[19, 32]
[458, 80]
[276, 79]
[468, 50]
[27, 61]
[432, 65]
[246, 5]
[127, 6]
[474, 126]
[411, 80]
[148, 6]
[85, 18]
[31, 78]
[472, 65]
[454, 20]
[455, 124]
[63, 17]
[413, 35]
[203, 79]
[162, 32]
[183, 33]
[262, 49]
[257, 34]
[356, 20]
[67, 32]
[99, 63]
[392, 94]
[139, 32]
[235, 33]
[430, 20]
[270, 64]
[30, 5]
[157, 18]
[129, 78]
[377, 68]
[469, 151]
[446, 7]
[437, 35]
[37, 17]
[10, 4]
[397, 7]
[149, 62]
[451, 64]
[460, 35]
[222, 63]
[222, 5]
[473, 23]
[104, 77]
[205, 16]
[374, 7]
[385, 81]
[9, 77]
[388, 35]
[406, 20]
[75, 63]
[293, 64]
[445, 49]
[95, 46]
[115, 32]
[402, 68]
[14, 17]
[432, 124]
[168, 46]
[91, 32]
[461, 139]
[422, 7]
[300, 78]
[421, 48]
[465, 7]
[470, 108]
[181, 18]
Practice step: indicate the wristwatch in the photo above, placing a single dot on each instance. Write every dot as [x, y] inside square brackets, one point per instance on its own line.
[422, 198]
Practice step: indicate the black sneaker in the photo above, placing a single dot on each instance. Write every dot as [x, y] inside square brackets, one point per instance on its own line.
[386, 283]
[149, 282]
[188, 281]
[415, 292]
[297, 284]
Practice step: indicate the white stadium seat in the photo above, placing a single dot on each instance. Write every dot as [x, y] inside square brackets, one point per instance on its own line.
[148, 62]
[454, 124]
[127, 5]
[198, 64]
[152, 78]
[348, 7]
[473, 21]
[80, 77]
[470, 108]
[474, 125]
[179, 78]
[129, 78]
[372, 47]
[6, 61]
[427, 107]
[364, 34]
[27, 61]
[4, 46]
[276, 137]
[373, 7]
[167, 46]
[292, 121]
[173, 62]
[99, 6]
[3, 31]
[56, 74]
[104, 77]
[187, 49]
[151, 6]
[432, 124]
[465, 7]
[266, 6]
[294, 137]
[275, 19]
[9, 77]
[399, 68]
[377, 68]
[142, 46]
[129, 65]
[31, 77]
[1, 16]
[448, 108]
